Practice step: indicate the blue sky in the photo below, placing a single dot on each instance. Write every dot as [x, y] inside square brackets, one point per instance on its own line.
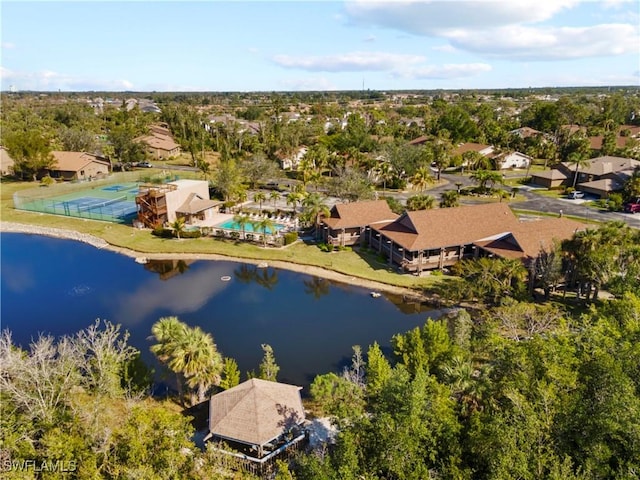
[318, 45]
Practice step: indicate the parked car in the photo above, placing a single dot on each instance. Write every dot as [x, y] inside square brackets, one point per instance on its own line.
[144, 165]
[633, 206]
[576, 194]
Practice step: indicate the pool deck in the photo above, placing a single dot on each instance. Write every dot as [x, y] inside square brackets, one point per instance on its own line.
[218, 218]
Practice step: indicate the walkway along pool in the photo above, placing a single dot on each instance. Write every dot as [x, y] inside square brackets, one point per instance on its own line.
[248, 228]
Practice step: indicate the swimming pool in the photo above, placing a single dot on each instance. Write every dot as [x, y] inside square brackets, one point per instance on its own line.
[248, 228]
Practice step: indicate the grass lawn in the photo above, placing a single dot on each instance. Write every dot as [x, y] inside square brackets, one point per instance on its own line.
[346, 262]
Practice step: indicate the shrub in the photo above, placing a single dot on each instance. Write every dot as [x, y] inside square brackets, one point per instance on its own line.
[235, 235]
[325, 247]
[290, 238]
[344, 248]
[162, 232]
[191, 234]
[46, 181]
[615, 202]
[250, 237]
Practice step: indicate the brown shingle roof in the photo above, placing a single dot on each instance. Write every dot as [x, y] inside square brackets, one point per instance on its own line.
[527, 239]
[195, 204]
[255, 412]
[603, 165]
[74, 161]
[469, 147]
[419, 141]
[553, 174]
[161, 142]
[431, 229]
[359, 214]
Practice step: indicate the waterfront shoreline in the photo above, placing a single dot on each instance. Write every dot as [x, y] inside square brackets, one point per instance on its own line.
[12, 227]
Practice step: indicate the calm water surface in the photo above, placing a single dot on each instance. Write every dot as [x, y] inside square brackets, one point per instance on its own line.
[60, 286]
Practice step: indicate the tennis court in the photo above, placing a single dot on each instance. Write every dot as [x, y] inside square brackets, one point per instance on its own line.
[109, 204]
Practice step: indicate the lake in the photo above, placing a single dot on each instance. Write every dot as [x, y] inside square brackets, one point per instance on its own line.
[60, 286]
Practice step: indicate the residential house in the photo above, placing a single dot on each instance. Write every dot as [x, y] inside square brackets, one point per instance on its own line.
[525, 132]
[258, 419]
[602, 176]
[549, 178]
[347, 222]
[481, 148]
[159, 143]
[159, 204]
[6, 162]
[509, 160]
[438, 238]
[291, 160]
[77, 166]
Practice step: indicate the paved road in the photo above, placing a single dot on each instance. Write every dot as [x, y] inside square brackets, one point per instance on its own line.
[541, 203]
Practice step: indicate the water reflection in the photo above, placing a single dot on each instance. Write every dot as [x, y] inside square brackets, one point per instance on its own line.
[168, 268]
[183, 294]
[317, 287]
[264, 276]
[311, 323]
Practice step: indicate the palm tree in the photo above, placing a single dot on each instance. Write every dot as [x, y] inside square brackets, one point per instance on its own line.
[166, 331]
[484, 177]
[259, 197]
[313, 209]
[420, 202]
[385, 173]
[578, 159]
[264, 225]
[274, 197]
[242, 221]
[449, 198]
[241, 196]
[178, 226]
[441, 154]
[293, 198]
[196, 357]
[421, 179]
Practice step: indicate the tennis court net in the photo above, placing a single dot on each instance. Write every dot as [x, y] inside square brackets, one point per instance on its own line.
[93, 206]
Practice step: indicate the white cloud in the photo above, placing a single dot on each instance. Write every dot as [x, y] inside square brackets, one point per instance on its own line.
[506, 29]
[370, 39]
[447, 71]
[48, 80]
[436, 17]
[348, 62]
[446, 48]
[526, 43]
[7, 45]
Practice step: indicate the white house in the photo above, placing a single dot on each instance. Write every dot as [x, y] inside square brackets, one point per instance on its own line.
[292, 160]
[512, 160]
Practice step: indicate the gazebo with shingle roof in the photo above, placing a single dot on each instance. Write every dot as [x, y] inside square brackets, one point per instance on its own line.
[258, 416]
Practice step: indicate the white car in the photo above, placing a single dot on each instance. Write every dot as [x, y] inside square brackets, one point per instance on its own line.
[575, 195]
